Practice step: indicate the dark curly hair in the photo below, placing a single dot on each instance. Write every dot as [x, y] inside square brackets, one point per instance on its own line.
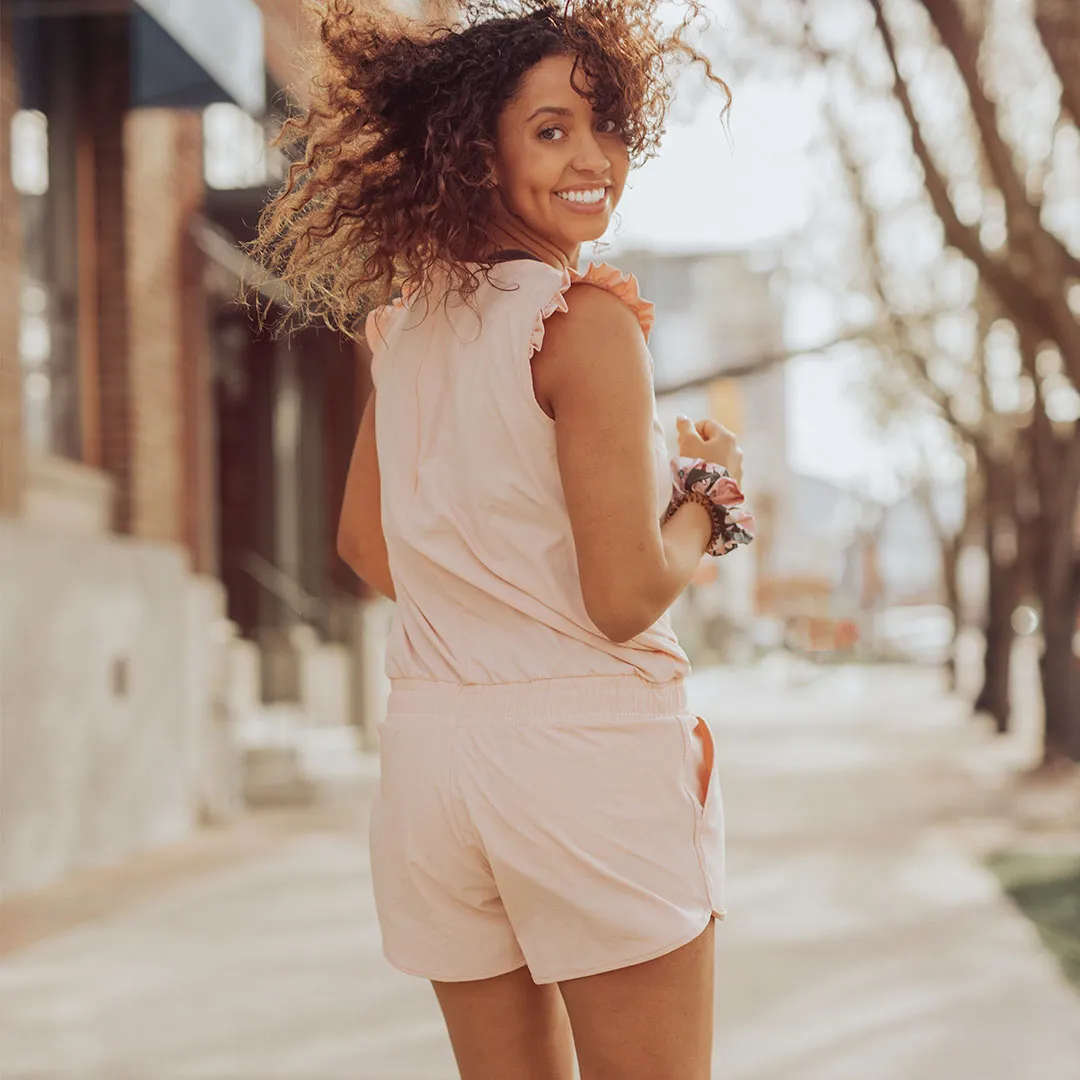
[393, 175]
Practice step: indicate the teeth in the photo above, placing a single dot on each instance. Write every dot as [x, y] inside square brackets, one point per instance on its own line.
[594, 196]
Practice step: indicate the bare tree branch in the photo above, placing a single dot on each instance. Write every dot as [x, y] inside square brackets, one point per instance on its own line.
[1033, 299]
[1029, 239]
[895, 335]
[963, 237]
[1058, 23]
[1046, 450]
[755, 365]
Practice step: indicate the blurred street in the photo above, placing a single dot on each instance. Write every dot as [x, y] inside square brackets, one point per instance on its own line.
[863, 942]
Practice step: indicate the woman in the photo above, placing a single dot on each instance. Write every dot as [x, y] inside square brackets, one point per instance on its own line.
[547, 840]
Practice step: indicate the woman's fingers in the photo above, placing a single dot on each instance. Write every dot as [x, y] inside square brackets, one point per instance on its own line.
[684, 425]
[690, 442]
[711, 441]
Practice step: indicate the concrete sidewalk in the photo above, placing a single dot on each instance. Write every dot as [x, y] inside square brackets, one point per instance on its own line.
[863, 943]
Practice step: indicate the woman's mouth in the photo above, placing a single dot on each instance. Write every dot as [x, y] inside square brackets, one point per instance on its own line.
[584, 200]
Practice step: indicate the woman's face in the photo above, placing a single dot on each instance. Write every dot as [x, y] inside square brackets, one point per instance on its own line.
[560, 167]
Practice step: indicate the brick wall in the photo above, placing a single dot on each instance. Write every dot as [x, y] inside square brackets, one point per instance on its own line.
[108, 92]
[199, 528]
[10, 258]
[161, 156]
[156, 419]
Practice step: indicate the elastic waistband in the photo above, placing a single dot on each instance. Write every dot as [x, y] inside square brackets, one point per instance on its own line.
[622, 695]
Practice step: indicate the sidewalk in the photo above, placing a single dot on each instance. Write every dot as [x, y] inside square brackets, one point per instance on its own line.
[862, 942]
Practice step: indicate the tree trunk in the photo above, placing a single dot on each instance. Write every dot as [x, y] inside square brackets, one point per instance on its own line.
[994, 697]
[950, 558]
[1058, 581]
[1004, 596]
[1060, 671]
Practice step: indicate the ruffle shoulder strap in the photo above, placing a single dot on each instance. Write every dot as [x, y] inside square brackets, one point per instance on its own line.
[604, 276]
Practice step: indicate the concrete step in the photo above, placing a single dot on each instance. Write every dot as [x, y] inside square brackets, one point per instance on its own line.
[287, 761]
[335, 753]
[269, 736]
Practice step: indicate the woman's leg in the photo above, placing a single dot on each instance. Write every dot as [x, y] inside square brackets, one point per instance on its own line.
[651, 1021]
[508, 1027]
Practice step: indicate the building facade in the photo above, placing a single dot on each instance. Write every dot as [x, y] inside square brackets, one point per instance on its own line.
[169, 478]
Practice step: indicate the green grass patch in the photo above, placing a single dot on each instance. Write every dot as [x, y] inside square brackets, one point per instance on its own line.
[1047, 889]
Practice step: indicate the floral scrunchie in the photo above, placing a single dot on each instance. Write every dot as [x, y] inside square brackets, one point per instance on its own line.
[696, 480]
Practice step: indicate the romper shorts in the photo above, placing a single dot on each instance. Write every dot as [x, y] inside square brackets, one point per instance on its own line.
[572, 825]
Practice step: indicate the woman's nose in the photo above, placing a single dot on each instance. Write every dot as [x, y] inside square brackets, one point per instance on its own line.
[590, 156]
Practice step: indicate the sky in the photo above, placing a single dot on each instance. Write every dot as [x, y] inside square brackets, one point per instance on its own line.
[708, 190]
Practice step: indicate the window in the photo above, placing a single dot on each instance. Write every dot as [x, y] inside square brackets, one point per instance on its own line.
[236, 150]
[46, 347]
[30, 152]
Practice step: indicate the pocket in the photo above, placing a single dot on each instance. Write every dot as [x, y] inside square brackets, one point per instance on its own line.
[702, 752]
[702, 785]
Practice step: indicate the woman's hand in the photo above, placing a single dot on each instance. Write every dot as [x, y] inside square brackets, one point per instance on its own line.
[712, 442]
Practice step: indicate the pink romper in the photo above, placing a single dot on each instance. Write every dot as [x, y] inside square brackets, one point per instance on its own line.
[545, 796]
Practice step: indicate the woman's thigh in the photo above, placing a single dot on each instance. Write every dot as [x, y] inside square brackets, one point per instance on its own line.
[651, 1021]
[507, 1027]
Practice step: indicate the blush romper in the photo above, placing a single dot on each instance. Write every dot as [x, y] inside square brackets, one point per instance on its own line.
[545, 797]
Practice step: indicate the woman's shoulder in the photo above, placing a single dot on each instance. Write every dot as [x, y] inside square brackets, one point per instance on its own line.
[622, 285]
[553, 287]
[529, 291]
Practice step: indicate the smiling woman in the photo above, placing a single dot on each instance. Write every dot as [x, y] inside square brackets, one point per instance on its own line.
[559, 168]
[439, 114]
[547, 839]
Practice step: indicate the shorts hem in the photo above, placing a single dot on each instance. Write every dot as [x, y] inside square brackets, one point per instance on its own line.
[642, 958]
[494, 974]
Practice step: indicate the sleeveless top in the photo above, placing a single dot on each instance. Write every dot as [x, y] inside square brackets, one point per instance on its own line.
[478, 536]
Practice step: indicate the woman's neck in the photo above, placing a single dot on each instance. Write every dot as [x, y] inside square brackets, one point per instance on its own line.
[514, 237]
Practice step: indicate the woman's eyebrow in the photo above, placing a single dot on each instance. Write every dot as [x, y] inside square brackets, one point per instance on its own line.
[559, 111]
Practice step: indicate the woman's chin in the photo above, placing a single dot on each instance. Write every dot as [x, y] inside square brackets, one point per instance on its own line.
[589, 232]
[596, 233]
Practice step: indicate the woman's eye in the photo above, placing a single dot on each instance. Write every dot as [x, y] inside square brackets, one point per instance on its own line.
[609, 126]
[548, 134]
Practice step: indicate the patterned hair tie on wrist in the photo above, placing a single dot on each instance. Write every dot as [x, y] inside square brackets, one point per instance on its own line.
[694, 479]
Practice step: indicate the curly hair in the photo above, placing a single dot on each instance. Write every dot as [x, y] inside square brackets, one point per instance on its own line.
[392, 177]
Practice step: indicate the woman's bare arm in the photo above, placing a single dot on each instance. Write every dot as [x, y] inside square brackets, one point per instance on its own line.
[594, 373]
[360, 540]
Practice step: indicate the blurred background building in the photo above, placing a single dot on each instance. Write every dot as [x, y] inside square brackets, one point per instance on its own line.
[827, 561]
[176, 630]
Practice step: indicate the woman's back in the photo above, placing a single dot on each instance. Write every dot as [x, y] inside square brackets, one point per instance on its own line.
[476, 525]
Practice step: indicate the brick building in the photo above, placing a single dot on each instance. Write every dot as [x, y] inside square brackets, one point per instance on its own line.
[169, 480]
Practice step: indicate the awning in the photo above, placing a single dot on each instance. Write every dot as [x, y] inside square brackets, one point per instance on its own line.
[184, 53]
[198, 52]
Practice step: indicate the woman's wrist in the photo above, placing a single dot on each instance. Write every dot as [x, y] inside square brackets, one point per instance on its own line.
[711, 486]
[692, 522]
[684, 535]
